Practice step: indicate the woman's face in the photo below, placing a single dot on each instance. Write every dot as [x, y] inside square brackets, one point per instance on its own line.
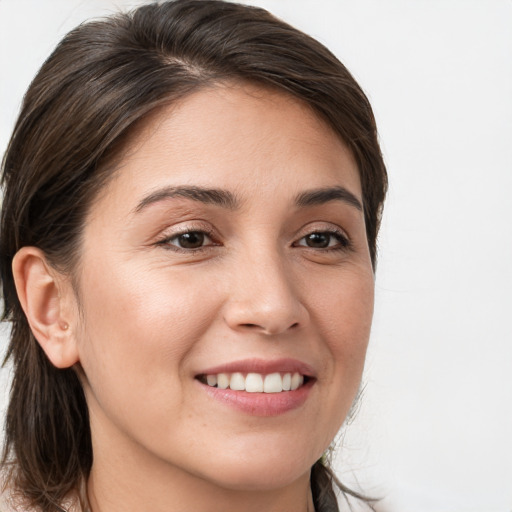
[229, 247]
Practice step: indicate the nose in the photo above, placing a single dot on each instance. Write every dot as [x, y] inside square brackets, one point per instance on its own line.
[264, 297]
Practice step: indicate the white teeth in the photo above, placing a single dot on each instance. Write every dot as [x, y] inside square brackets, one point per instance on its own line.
[296, 381]
[256, 382]
[212, 380]
[222, 380]
[237, 382]
[273, 383]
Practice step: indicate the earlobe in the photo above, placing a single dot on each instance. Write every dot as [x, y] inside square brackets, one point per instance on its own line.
[44, 297]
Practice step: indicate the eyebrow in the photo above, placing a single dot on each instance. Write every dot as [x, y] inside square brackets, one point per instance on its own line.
[324, 195]
[213, 196]
[228, 200]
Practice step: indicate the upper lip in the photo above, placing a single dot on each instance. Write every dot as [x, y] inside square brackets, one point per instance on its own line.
[262, 366]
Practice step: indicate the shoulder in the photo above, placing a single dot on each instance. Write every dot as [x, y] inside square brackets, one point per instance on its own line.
[10, 502]
[7, 503]
[5, 494]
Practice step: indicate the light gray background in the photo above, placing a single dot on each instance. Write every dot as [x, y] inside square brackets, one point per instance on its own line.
[434, 431]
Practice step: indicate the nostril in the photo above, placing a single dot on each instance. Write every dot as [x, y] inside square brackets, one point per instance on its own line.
[264, 329]
[267, 315]
[251, 326]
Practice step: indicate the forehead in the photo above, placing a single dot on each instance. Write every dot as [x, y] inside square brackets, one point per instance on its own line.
[237, 136]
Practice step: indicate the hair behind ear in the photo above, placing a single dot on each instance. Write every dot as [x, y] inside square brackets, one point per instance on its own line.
[323, 484]
[47, 426]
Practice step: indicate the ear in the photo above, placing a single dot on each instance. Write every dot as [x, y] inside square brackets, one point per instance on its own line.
[45, 296]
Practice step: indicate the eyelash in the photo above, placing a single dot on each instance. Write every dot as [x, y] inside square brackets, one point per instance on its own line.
[344, 243]
[166, 242]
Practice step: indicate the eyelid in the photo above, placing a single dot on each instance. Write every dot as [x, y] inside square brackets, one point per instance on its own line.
[199, 227]
[334, 231]
[165, 239]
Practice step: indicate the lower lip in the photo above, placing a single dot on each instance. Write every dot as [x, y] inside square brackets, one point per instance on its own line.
[261, 404]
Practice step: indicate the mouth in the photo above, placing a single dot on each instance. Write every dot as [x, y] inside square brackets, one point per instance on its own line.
[259, 387]
[275, 382]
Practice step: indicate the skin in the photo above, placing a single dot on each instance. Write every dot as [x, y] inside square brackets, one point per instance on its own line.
[148, 316]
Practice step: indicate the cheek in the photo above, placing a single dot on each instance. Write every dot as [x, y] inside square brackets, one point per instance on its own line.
[149, 304]
[139, 328]
[355, 321]
[344, 315]
[344, 309]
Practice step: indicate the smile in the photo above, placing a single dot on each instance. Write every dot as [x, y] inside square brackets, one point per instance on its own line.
[255, 382]
[259, 387]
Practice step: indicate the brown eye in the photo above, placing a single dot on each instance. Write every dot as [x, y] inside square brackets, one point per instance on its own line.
[190, 240]
[318, 240]
[324, 240]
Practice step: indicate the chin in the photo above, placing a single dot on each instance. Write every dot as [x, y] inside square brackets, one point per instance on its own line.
[260, 479]
[263, 469]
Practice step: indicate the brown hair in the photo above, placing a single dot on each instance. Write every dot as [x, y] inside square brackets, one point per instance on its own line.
[102, 79]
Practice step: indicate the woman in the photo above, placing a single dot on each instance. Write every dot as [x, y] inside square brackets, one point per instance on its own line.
[192, 197]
